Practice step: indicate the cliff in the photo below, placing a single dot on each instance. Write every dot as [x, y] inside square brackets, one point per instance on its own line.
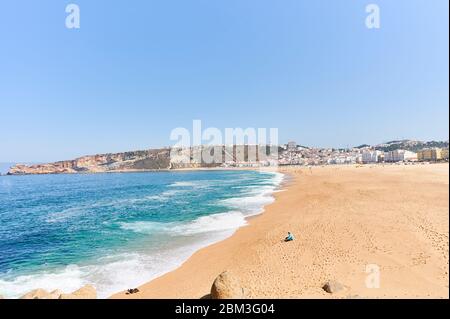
[154, 159]
[128, 161]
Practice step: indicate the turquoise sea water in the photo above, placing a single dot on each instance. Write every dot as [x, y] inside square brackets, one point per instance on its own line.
[117, 231]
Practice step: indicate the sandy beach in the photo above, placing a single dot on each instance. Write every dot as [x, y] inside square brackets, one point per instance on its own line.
[344, 218]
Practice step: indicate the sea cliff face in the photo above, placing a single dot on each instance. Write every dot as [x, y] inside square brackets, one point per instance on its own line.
[153, 159]
[128, 161]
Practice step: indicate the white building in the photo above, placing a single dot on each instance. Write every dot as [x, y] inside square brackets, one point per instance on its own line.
[399, 156]
[409, 156]
[371, 157]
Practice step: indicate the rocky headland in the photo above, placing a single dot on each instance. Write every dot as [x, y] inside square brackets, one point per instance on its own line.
[146, 160]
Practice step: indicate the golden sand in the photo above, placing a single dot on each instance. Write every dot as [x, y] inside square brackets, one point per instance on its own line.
[347, 220]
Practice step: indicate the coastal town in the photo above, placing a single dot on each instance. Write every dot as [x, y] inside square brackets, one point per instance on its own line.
[244, 156]
[395, 152]
[293, 154]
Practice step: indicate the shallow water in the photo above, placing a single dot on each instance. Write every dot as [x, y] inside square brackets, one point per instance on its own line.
[117, 231]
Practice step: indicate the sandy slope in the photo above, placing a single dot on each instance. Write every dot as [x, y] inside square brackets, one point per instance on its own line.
[344, 218]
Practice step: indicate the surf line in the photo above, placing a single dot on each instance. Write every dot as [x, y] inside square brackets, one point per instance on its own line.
[186, 309]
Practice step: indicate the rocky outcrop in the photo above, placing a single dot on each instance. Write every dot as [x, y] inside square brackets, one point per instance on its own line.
[21, 169]
[55, 294]
[332, 286]
[86, 292]
[226, 286]
[37, 294]
[128, 161]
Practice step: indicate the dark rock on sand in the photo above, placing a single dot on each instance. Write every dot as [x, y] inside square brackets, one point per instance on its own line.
[332, 286]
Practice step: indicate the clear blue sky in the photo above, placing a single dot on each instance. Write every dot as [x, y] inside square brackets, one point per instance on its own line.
[137, 69]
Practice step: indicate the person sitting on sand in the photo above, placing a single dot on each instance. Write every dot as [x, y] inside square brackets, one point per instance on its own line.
[289, 237]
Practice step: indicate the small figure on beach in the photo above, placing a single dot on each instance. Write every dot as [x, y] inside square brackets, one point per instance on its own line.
[289, 237]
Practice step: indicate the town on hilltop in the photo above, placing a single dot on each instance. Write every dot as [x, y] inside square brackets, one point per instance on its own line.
[405, 151]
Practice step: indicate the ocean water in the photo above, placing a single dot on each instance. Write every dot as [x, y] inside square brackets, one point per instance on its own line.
[117, 231]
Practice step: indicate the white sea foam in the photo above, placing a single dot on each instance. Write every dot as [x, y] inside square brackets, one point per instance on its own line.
[250, 205]
[212, 223]
[64, 215]
[120, 271]
[205, 224]
[256, 196]
[109, 274]
[67, 280]
[199, 184]
[183, 184]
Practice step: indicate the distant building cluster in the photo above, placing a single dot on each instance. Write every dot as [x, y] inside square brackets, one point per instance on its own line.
[293, 154]
[435, 154]
[399, 156]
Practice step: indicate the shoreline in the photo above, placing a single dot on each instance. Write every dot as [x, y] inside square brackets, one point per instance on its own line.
[243, 168]
[288, 178]
[162, 170]
[219, 229]
[412, 260]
